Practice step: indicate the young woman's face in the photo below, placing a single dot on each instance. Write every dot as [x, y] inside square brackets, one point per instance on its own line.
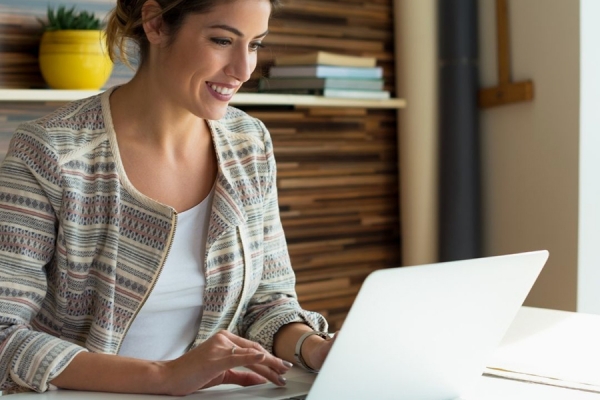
[212, 55]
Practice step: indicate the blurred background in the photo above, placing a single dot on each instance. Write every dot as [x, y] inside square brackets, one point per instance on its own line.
[444, 178]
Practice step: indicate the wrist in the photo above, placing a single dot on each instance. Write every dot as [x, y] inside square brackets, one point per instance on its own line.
[159, 376]
[306, 347]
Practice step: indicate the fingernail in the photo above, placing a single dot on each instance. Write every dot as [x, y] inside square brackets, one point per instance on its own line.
[259, 356]
[281, 380]
[287, 364]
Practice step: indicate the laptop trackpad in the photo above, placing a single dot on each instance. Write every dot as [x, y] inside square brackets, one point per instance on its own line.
[266, 391]
[270, 391]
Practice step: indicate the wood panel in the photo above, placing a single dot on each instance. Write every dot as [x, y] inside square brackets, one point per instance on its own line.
[337, 167]
[338, 196]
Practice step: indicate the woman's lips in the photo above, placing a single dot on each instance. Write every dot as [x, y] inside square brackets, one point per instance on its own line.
[220, 92]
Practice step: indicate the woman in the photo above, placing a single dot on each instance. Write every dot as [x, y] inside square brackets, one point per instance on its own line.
[141, 246]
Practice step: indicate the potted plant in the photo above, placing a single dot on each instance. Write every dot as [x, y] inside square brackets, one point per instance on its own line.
[73, 50]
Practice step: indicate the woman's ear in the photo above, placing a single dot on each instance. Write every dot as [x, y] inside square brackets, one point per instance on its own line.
[152, 22]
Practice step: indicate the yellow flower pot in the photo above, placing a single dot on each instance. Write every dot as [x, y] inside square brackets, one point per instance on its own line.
[74, 59]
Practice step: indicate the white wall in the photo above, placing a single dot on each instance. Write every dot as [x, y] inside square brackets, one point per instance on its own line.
[588, 294]
[530, 150]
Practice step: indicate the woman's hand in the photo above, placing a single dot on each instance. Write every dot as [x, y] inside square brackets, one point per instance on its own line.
[211, 364]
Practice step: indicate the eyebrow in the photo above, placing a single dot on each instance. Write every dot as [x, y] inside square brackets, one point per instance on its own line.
[235, 31]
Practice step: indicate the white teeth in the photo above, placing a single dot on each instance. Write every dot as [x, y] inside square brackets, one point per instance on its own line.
[222, 90]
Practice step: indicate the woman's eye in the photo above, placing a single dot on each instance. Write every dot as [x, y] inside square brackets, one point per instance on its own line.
[221, 42]
[256, 46]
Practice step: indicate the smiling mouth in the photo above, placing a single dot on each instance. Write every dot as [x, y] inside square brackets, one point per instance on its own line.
[225, 91]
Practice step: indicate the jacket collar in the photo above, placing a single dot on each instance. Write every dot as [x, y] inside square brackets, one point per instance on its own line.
[227, 209]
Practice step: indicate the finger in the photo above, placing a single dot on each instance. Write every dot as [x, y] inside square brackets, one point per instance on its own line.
[234, 377]
[252, 362]
[242, 351]
[243, 378]
[268, 373]
[245, 346]
[241, 342]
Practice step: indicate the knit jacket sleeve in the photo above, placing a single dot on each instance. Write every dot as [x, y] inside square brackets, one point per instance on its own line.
[30, 195]
[275, 303]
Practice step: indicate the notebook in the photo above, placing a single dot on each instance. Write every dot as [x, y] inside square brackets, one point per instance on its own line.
[422, 332]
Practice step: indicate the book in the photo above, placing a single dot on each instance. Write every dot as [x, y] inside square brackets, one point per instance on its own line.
[325, 58]
[357, 94]
[266, 84]
[338, 93]
[325, 71]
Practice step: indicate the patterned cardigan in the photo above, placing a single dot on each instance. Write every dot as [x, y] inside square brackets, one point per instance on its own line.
[81, 248]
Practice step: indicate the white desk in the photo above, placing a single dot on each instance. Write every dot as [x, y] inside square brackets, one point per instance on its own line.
[504, 389]
[557, 329]
[558, 348]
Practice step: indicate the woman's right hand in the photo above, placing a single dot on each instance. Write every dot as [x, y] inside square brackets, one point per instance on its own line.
[212, 363]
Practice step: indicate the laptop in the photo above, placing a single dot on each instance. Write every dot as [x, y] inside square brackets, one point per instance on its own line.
[422, 332]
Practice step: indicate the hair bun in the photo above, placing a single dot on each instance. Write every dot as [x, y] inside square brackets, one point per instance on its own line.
[127, 5]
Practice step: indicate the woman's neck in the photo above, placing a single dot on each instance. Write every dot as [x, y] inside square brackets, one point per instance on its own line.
[141, 111]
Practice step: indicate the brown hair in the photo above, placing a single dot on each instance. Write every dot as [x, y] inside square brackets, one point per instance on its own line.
[125, 23]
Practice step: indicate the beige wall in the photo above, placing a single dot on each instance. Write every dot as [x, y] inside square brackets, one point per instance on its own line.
[530, 150]
[416, 78]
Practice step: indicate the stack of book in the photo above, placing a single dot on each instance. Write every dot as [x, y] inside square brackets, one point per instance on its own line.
[325, 74]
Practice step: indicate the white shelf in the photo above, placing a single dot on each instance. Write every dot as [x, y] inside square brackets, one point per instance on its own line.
[47, 95]
[44, 95]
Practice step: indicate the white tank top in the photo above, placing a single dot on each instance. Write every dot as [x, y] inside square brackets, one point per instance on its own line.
[169, 320]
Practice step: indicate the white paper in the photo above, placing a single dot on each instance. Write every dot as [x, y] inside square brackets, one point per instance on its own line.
[551, 347]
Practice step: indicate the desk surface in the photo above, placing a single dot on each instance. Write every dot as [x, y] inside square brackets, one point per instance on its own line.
[530, 324]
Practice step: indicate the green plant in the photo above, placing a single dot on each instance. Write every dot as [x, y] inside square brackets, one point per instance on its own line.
[70, 19]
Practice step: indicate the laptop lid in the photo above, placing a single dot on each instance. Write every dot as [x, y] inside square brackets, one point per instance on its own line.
[426, 332]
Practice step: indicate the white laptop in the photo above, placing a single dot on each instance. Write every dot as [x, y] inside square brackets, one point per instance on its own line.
[423, 332]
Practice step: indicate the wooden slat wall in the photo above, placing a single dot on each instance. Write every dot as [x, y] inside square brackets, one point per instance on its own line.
[338, 196]
[337, 167]
[338, 174]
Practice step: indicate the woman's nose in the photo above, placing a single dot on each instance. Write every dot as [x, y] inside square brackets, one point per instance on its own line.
[242, 65]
